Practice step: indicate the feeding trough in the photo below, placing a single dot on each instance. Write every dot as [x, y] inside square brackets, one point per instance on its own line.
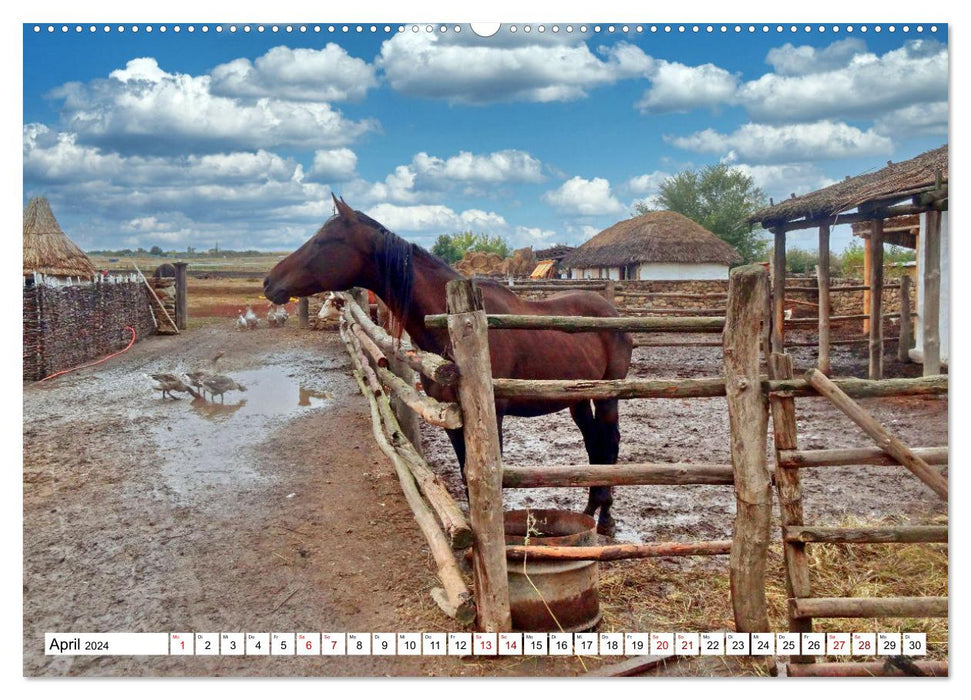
[550, 596]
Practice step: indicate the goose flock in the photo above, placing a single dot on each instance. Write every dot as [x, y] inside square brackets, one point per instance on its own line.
[276, 317]
[197, 383]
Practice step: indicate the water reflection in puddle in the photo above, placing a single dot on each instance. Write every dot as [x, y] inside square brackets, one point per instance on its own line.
[210, 445]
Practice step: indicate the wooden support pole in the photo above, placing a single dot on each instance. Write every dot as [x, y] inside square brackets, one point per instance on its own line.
[181, 296]
[822, 280]
[369, 346]
[887, 442]
[748, 418]
[867, 266]
[469, 334]
[866, 388]
[614, 552]
[444, 415]
[454, 598]
[593, 324]
[906, 341]
[544, 476]
[931, 311]
[303, 312]
[876, 301]
[863, 669]
[857, 455]
[579, 389]
[866, 535]
[610, 292]
[778, 290]
[870, 607]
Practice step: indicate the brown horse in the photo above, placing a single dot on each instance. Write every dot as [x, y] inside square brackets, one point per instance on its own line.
[353, 250]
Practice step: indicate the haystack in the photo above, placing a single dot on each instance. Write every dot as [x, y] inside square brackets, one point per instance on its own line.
[47, 249]
[655, 237]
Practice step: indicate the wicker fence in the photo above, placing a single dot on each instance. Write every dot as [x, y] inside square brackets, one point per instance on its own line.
[67, 324]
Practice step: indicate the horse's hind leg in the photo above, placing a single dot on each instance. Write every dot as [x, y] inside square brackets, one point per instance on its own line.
[608, 435]
[593, 440]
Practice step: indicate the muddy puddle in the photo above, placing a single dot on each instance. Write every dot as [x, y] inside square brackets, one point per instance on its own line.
[209, 445]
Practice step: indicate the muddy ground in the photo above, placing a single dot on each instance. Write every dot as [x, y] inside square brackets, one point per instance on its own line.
[276, 511]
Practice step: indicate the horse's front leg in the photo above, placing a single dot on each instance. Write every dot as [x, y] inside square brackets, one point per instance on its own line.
[608, 448]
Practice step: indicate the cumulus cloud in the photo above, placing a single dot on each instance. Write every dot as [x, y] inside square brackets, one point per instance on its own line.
[329, 74]
[143, 108]
[584, 197]
[499, 166]
[459, 70]
[533, 235]
[647, 183]
[915, 120]
[762, 143]
[784, 179]
[804, 60]
[336, 164]
[866, 87]
[435, 218]
[676, 87]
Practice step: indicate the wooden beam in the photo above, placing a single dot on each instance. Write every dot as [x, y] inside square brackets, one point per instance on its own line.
[906, 341]
[865, 535]
[616, 475]
[778, 290]
[842, 457]
[862, 669]
[870, 607]
[442, 414]
[855, 218]
[614, 552]
[866, 388]
[931, 311]
[748, 416]
[567, 390]
[469, 334]
[303, 312]
[867, 266]
[593, 324]
[876, 302]
[822, 280]
[887, 442]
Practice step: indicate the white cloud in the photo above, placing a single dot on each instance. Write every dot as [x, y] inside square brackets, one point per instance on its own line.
[866, 87]
[533, 235]
[326, 75]
[761, 143]
[647, 183]
[335, 164]
[676, 87]
[435, 217]
[584, 197]
[915, 120]
[784, 179]
[453, 68]
[145, 109]
[499, 166]
[803, 60]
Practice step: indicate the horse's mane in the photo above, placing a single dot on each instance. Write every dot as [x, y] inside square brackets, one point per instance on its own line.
[395, 261]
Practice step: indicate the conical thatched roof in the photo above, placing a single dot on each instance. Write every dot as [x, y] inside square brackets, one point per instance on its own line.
[655, 237]
[47, 248]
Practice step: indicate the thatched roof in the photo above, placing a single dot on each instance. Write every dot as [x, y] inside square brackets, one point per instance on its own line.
[898, 180]
[557, 252]
[47, 248]
[655, 237]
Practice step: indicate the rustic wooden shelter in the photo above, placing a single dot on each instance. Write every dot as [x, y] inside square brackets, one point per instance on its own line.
[659, 245]
[47, 249]
[914, 187]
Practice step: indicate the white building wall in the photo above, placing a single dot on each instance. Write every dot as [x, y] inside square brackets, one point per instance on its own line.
[917, 353]
[659, 271]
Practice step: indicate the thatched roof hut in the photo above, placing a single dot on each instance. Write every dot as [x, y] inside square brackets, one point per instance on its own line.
[47, 249]
[655, 237]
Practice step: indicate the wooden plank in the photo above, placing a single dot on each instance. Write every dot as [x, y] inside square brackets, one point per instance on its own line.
[181, 296]
[876, 302]
[906, 340]
[863, 669]
[778, 290]
[822, 281]
[616, 475]
[303, 312]
[931, 309]
[867, 275]
[442, 414]
[633, 666]
[593, 324]
[578, 389]
[614, 552]
[866, 388]
[887, 442]
[865, 535]
[854, 455]
[870, 607]
[789, 492]
[469, 334]
[369, 345]
[748, 416]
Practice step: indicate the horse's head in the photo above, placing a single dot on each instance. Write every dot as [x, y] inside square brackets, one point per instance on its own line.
[333, 259]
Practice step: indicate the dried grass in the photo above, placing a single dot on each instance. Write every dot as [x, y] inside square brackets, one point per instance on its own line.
[47, 248]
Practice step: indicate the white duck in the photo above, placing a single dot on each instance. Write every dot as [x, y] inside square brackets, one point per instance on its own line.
[281, 316]
[241, 324]
[252, 322]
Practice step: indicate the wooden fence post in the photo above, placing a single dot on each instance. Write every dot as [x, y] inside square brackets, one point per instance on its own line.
[407, 418]
[931, 313]
[876, 300]
[822, 277]
[303, 312]
[181, 296]
[906, 321]
[778, 290]
[468, 331]
[748, 418]
[610, 292]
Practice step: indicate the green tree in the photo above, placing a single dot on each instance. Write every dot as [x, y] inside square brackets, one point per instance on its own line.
[452, 248]
[721, 199]
[155, 250]
[491, 244]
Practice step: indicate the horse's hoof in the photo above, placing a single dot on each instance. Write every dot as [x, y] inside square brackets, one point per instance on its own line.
[607, 528]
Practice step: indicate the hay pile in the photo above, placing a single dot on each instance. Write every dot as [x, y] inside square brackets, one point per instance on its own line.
[47, 249]
[477, 263]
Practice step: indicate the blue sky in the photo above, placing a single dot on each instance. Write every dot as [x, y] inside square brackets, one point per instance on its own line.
[186, 139]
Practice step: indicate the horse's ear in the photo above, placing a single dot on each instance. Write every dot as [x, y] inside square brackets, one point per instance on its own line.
[343, 209]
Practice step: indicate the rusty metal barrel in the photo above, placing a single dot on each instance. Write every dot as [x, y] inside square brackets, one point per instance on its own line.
[550, 596]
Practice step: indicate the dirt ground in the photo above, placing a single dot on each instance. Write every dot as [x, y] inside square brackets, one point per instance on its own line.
[276, 512]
